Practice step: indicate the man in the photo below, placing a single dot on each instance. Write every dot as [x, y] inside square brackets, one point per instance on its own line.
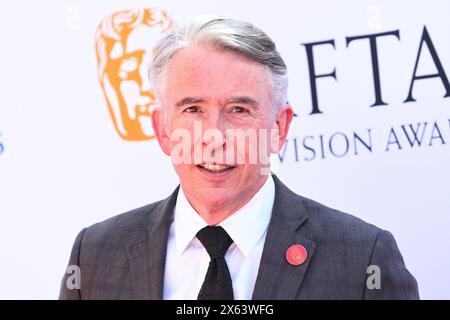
[231, 230]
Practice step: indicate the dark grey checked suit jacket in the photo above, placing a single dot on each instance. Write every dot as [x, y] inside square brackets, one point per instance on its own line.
[124, 256]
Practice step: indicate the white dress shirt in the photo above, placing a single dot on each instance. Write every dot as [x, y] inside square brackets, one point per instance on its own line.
[187, 260]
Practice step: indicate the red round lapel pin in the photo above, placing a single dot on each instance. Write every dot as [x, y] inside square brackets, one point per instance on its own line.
[296, 254]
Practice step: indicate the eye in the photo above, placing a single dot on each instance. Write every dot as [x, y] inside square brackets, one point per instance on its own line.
[238, 109]
[192, 109]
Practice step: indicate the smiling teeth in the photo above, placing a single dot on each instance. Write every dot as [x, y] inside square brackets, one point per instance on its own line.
[215, 167]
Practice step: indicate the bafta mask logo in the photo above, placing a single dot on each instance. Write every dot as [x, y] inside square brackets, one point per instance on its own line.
[123, 43]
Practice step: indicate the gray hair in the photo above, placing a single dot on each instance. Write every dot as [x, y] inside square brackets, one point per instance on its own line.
[228, 34]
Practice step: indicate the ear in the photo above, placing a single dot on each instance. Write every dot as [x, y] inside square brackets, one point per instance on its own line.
[160, 130]
[283, 122]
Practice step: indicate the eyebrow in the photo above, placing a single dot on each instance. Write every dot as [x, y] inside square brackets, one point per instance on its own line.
[243, 100]
[238, 99]
[189, 100]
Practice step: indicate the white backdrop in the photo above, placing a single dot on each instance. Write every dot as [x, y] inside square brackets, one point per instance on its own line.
[63, 166]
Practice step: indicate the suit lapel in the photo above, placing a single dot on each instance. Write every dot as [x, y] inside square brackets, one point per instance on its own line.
[148, 256]
[277, 279]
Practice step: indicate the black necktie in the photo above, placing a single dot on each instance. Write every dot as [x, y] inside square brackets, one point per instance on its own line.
[217, 284]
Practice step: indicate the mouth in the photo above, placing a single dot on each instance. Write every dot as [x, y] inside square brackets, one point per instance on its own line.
[215, 168]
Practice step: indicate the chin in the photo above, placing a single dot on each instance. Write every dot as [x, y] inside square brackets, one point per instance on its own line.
[215, 197]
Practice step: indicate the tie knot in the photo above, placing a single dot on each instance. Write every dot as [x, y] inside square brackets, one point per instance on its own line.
[215, 240]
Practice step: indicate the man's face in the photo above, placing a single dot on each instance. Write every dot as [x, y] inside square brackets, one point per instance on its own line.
[217, 91]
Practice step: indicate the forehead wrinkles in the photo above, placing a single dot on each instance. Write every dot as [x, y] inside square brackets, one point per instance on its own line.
[210, 70]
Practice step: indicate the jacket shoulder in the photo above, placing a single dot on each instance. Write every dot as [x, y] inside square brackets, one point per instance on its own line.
[323, 222]
[127, 226]
[337, 224]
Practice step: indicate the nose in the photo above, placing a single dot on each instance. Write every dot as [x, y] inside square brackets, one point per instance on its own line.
[214, 121]
[213, 138]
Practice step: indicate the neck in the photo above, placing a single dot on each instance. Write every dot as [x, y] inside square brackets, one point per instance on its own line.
[215, 213]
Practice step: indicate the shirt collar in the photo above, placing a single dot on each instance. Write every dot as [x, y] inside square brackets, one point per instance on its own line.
[187, 222]
[246, 226]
